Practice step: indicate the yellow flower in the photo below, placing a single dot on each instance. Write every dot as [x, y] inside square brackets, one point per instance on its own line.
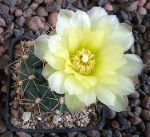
[86, 60]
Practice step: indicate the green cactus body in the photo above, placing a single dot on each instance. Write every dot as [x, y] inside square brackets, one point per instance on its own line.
[35, 86]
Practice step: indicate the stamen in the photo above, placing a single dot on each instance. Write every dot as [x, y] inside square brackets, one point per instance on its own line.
[85, 58]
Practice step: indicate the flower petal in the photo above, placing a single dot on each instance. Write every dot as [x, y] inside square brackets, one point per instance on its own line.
[54, 61]
[41, 46]
[111, 99]
[47, 71]
[73, 103]
[80, 19]
[63, 20]
[133, 66]
[72, 86]
[122, 36]
[88, 96]
[124, 87]
[59, 46]
[56, 82]
[96, 13]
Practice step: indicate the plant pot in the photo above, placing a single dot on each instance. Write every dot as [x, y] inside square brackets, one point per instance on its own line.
[7, 115]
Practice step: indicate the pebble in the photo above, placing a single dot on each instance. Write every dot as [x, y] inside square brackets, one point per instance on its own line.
[117, 133]
[145, 114]
[134, 95]
[72, 134]
[93, 133]
[10, 2]
[141, 3]
[53, 7]
[20, 21]
[2, 22]
[7, 134]
[22, 134]
[147, 5]
[134, 102]
[135, 120]
[4, 9]
[1, 30]
[2, 127]
[146, 57]
[81, 135]
[142, 11]
[147, 129]
[18, 12]
[34, 5]
[107, 133]
[129, 6]
[35, 23]
[38, 1]
[28, 12]
[48, 1]
[146, 102]
[115, 124]
[138, 111]
[8, 18]
[52, 18]
[41, 12]
[108, 7]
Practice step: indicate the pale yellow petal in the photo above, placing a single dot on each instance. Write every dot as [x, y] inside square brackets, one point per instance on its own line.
[47, 71]
[88, 97]
[73, 103]
[63, 21]
[55, 62]
[115, 101]
[96, 13]
[56, 82]
[133, 66]
[41, 46]
[73, 86]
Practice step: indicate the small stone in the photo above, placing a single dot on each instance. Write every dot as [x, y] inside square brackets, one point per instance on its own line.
[8, 18]
[135, 120]
[110, 113]
[107, 133]
[48, 1]
[145, 114]
[52, 18]
[22, 134]
[147, 5]
[146, 57]
[134, 102]
[115, 124]
[41, 12]
[18, 12]
[53, 7]
[38, 1]
[129, 6]
[34, 5]
[134, 95]
[7, 134]
[117, 133]
[80, 135]
[93, 133]
[35, 23]
[28, 12]
[147, 129]
[2, 127]
[1, 30]
[108, 7]
[141, 3]
[20, 21]
[72, 134]
[26, 116]
[4, 9]
[142, 11]
[2, 22]
[10, 2]
[138, 111]
[146, 102]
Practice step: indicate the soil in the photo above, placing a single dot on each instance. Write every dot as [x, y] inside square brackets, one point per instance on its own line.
[27, 114]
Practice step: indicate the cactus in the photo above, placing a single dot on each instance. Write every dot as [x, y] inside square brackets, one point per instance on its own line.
[36, 87]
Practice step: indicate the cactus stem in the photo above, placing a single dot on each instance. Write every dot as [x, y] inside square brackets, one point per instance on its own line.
[19, 71]
[26, 86]
[35, 85]
[52, 99]
[55, 107]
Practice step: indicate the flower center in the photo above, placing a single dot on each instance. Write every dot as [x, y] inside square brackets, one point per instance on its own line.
[83, 61]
